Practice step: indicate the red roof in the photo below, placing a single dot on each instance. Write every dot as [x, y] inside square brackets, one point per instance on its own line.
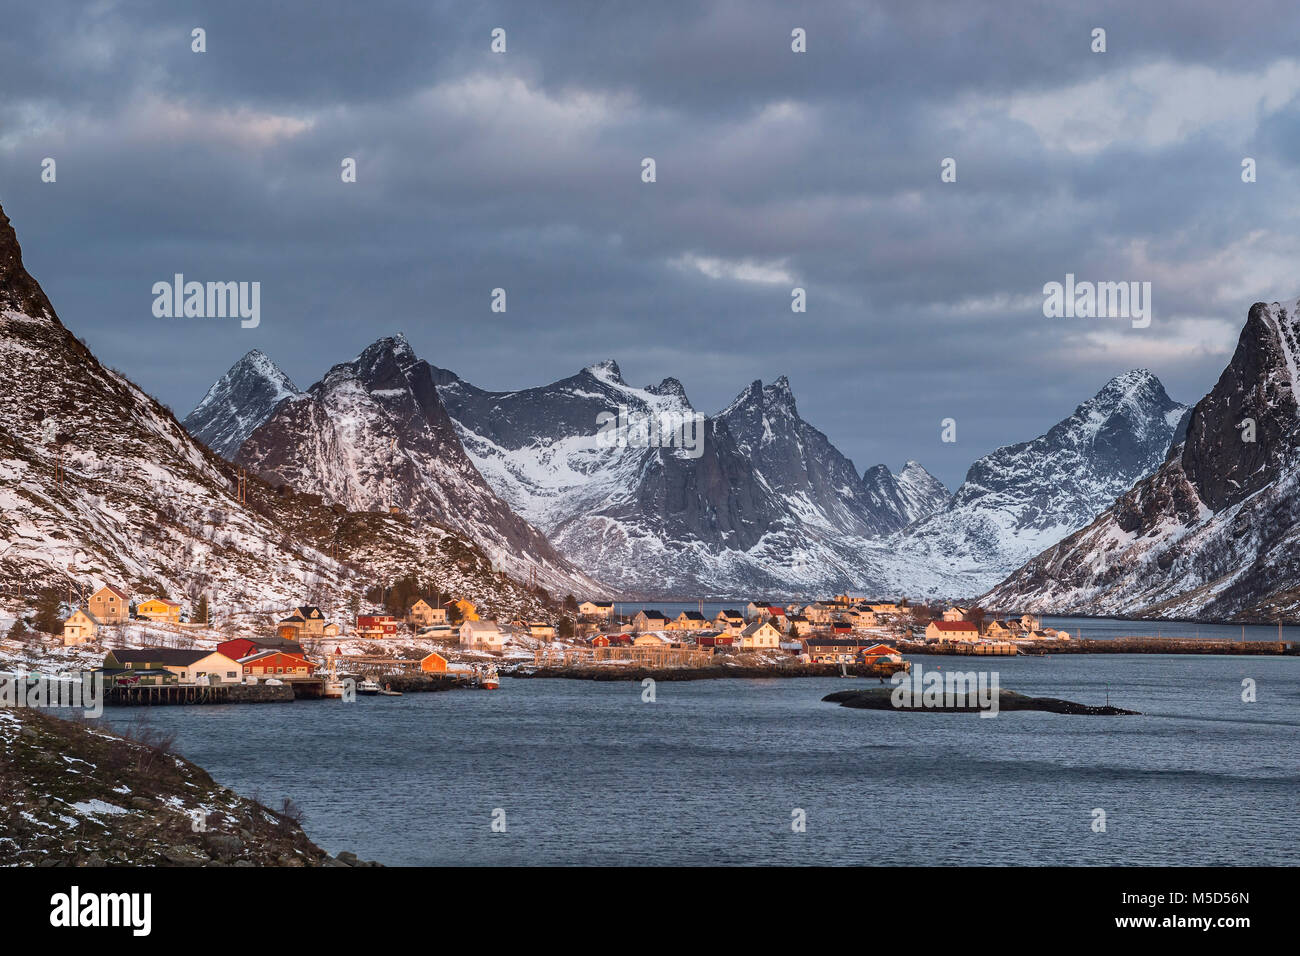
[774, 611]
[883, 650]
[955, 625]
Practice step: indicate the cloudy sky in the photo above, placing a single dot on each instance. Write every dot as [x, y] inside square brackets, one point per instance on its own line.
[522, 170]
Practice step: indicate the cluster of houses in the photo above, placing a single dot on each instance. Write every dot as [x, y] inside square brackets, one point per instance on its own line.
[829, 631]
[967, 625]
[237, 661]
[112, 605]
[839, 629]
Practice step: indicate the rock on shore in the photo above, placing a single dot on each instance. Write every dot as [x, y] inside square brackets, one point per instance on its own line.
[77, 795]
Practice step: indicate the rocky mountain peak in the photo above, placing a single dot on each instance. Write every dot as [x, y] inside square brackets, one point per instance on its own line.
[239, 401]
[668, 387]
[1258, 387]
[606, 370]
[18, 290]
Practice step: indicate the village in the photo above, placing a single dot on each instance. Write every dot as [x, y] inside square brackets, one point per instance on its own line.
[438, 640]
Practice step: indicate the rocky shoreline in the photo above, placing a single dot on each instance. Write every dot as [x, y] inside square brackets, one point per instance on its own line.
[78, 795]
[877, 698]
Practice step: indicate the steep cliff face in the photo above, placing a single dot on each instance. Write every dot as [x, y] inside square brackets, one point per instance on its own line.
[1213, 533]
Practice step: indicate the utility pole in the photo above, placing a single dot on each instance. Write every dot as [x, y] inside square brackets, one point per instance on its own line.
[243, 487]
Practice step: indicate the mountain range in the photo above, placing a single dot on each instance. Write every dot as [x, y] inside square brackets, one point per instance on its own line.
[764, 503]
[1131, 505]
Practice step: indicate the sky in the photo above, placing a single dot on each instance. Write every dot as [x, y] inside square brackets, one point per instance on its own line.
[522, 170]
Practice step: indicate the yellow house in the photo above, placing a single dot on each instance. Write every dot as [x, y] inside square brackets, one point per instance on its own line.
[468, 612]
[759, 634]
[157, 609]
[79, 628]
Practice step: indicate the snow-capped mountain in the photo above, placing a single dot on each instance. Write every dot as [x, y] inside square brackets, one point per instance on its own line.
[240, 400]
[765, 503]
[373, 435]
[813, 478]
[100, 484]
[910, 495]
[1215, 532]
[1022, 498]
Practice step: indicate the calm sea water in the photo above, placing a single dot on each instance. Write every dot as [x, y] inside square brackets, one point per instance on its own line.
[586, 773]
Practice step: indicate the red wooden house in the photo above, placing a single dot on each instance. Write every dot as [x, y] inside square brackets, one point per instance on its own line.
[277, 664]
[376, 626]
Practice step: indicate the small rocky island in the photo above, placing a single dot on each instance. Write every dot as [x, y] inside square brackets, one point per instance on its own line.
[881, 698]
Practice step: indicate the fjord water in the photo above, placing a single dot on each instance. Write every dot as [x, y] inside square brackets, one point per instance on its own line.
[586, 773]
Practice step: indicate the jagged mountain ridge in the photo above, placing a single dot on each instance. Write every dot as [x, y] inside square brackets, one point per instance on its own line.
[1214, 533]
[374, 434]
[769, 504]
[99, 483]
[800, 464]
[1023, 497]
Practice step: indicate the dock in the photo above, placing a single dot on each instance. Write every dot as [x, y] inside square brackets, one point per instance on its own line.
[163, 695]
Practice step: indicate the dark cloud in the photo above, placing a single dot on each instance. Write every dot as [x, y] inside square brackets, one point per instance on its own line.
[775, 169]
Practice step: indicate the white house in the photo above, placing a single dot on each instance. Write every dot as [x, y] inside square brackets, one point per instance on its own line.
[950, 631]
[79, 628]
[482, 636]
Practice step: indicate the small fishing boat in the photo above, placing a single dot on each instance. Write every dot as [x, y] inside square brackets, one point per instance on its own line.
[369, 687]
[489, 680]
[389, 692]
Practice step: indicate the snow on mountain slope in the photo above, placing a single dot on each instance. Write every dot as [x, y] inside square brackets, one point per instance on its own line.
[768, 503]
[373, 434]
[1215, 533]
[800, 465]
[908, 496]
[1023, 498]
[100, 484]
[240, 401]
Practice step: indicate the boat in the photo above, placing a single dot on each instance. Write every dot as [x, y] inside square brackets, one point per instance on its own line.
[389, 692]
[489, 680]
[332, 687]
[369, 687]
